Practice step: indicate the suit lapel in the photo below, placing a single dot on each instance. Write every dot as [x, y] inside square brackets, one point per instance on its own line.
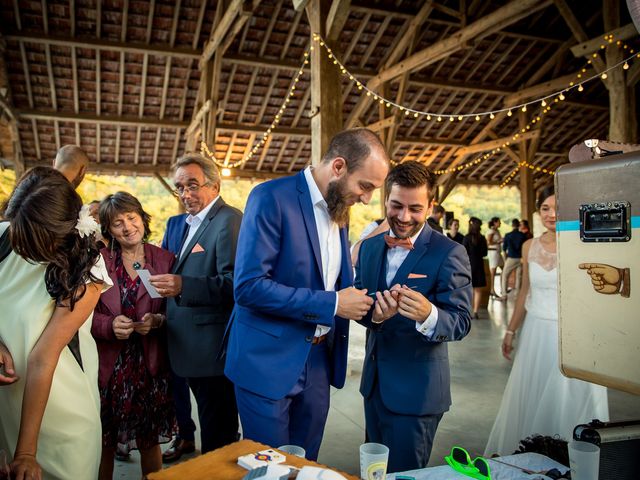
[419, 249]
[346, 270]
[203, 226]
[378, 256]
[304, 197]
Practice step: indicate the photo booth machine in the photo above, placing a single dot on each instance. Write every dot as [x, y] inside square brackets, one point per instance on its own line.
[598, 228]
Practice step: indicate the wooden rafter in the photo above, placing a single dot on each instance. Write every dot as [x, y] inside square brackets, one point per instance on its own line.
[495, 21]
[230, 14]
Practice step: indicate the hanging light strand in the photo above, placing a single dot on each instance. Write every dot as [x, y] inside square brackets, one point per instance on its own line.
[408, 111]
[206, 151]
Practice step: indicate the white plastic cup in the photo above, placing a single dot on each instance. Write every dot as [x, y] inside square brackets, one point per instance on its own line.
[293, 450]
[374, 458]
[584, 459]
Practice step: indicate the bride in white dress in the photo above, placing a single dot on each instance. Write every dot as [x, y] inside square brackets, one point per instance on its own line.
[538, 399]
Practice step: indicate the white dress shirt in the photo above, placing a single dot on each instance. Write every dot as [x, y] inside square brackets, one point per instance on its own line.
[396, 257]
[194, 222]
[329, 239]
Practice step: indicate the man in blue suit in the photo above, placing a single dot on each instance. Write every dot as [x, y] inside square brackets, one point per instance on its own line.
[293, 288]
[184, 442]
[422, 282]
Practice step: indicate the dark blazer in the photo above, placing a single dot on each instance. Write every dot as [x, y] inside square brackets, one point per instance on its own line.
[197, 318]
[175, 233]
[413, 371]
[280, 293]
[110, 306]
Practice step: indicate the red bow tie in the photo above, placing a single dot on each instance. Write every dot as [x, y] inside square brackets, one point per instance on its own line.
[398, 242]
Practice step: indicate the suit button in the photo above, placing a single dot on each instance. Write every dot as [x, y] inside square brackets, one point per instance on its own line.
[373, 356]
[308, 339]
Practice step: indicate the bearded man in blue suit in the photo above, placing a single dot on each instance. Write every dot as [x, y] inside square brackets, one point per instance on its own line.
[422, 282]
[293, 289]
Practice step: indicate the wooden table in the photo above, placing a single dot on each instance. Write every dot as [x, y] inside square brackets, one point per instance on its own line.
[222, 464]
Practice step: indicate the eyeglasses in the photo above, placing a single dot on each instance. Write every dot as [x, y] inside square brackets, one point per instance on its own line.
[460, 461]
[191, 188]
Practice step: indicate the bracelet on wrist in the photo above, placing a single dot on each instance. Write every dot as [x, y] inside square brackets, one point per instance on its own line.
[510, 332]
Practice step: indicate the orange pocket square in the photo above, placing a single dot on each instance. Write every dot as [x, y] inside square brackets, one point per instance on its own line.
[417, 275]
[197, 248]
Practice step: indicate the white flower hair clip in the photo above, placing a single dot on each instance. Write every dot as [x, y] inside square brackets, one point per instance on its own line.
[86, 224]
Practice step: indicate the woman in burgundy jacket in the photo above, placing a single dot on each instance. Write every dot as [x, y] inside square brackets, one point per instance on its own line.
[136, 406]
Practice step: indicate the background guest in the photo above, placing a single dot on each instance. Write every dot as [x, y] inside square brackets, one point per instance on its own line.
[136, 407]
[434, 219]
[524, 228]
[94, 210]
[538, 398]
[494, 243]
[72, 162]
[476, 246]
[512, 245]
[52, 276]
[454, 231]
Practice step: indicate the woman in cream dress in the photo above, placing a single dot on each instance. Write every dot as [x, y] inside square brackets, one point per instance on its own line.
[51, 282]
[494, 242]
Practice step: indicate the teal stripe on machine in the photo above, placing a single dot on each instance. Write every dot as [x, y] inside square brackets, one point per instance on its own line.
[574, 225]
[568, 225]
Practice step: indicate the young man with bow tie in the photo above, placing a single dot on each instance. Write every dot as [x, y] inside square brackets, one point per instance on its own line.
[405, 379]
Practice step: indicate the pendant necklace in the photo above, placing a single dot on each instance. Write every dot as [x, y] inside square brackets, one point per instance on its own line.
[136, 264]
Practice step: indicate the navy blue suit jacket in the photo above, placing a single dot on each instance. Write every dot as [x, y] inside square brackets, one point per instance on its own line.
[412, 370]
[175, 233]
[279, 292]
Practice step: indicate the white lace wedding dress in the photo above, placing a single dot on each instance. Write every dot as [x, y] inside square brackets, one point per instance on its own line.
[538, 398]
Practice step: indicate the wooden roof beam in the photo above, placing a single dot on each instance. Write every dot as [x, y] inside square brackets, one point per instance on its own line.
[336, 18]
[495, 21]
[225, 24]
[124, 121]
[594, 45]
[577, 30]
[147, 169]
[99, 44]
[510, 13]
[542, 89]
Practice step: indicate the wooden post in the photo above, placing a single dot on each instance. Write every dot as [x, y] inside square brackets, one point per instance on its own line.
[10, 146]
[326, 106]
[527, 193]
[621, 111]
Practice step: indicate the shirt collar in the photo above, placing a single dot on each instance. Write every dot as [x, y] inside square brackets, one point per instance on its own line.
[316, 196]
[202, 214]
[413, 238]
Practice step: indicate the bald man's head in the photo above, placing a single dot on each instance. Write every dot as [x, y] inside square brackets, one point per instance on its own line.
[72, 162]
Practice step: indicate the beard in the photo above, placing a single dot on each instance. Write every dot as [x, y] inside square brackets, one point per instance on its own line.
[337, 202]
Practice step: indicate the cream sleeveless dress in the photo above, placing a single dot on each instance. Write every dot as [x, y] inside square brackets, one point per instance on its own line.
[69, 443]
[538, 398]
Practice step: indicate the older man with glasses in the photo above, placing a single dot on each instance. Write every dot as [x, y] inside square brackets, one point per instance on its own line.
[200, 297]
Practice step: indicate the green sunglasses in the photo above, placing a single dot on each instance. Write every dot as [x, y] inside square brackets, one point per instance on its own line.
[460, 461]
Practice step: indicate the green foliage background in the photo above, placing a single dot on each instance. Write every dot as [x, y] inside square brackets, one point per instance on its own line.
[465, 201]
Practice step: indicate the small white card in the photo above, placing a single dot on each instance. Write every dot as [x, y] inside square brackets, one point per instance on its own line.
[144, 276]
[261, 458]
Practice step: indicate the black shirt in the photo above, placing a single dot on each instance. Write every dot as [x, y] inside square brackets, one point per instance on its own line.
[512, 243]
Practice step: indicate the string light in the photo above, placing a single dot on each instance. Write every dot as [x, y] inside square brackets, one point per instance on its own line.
[557, 96]
[206, 151]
